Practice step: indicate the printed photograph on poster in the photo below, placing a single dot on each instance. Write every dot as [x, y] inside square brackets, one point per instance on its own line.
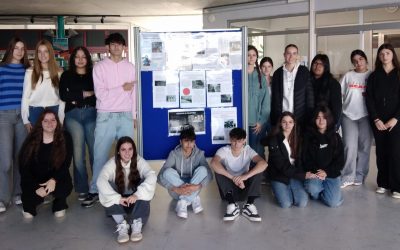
[192, 89]
[178, 118]
[222, 121]
[152, 51]
[165, 89]
[219, 88]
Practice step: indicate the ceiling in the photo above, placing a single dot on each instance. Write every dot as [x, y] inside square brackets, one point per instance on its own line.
[123, 8]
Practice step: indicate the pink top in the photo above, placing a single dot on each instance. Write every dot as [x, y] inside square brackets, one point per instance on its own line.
[108, 78]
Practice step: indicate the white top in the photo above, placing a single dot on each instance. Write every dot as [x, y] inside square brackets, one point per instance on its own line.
[289, 150]
[288, 88]
[354, 86]
[109, 196]
[236, 165]
[44, 95]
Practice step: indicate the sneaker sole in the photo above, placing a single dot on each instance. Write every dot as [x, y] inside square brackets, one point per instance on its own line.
[380, 192]
[123, 241]
[136, 239]
[198, 210]
[232, 218]
[251, 218]
[183, 216]
[90, 205]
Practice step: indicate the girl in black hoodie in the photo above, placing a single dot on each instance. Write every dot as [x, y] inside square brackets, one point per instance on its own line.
[323, 155]
[383, 104]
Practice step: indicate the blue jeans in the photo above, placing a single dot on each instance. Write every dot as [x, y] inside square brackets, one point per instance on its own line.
[12, 136]
[172, 176]
[291, 194]
[327, 190]
[80, 123]
[109, 127]
[254, 140]
[35, 112]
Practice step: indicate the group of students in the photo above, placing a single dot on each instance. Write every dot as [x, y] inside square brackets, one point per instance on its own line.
[301, 112]
[363, 104]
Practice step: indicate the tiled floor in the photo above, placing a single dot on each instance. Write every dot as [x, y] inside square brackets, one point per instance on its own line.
[365, 221]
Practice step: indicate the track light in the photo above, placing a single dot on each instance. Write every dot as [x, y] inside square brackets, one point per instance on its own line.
[76, 19]
[102, 19]
[32, 19]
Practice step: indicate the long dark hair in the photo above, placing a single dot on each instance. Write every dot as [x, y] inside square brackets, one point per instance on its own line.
[89, 64]
[293, 137]
[321, 88]
[395, 60]
[257, 67]
[134, 177]
[8, 56]
[30, 148]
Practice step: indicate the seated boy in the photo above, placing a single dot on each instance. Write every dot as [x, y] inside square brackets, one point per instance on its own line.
[234, 176]
[185, 173]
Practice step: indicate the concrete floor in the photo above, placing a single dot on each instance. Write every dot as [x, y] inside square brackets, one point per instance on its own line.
[365, 221]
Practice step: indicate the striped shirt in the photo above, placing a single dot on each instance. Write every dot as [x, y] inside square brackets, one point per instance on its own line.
[11, 86]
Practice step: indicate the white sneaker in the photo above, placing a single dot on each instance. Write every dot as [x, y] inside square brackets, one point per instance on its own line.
[2, 207]
[181, 209]
[122, 230]
[196, 205]
[27, 215]
[250, 212]
[17, 200]
[356, 183]
[136, 230]
[232, 212]
[396, 195]
[346, 184]
[59, 214]
[381, 190]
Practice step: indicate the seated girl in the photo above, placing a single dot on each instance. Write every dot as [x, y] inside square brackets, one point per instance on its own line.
[323, 155]
[185, 173]
[45, 158]
[126, 185]
[284, 169]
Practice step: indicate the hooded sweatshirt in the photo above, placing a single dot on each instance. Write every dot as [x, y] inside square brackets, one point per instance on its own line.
[184, 166]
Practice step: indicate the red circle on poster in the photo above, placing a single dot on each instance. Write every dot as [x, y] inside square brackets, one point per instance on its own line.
[186, 91]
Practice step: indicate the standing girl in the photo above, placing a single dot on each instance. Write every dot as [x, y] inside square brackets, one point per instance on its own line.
[326, 88]
[126, 185]
[357, 134]
[266, 67]
[76, 90]
[259, 105]
[41, 86]
[12, 131]
[383, 104]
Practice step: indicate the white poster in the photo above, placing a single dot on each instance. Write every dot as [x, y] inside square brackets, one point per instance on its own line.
[153, 51]
[222, 121]
[165, 89]
[219, 88]
[179, 118]
[192, 89]
[179, 47]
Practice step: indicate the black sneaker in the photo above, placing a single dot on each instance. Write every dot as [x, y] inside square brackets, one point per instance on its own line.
[250, 212]
[90, 200]
[232, 212]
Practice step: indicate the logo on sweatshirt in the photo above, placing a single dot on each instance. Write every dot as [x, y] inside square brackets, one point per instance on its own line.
[323, 145]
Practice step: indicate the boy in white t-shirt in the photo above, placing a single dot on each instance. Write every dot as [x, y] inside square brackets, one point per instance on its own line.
[235, 177]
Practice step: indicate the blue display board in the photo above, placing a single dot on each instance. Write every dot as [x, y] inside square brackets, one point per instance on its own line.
[154, 121]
